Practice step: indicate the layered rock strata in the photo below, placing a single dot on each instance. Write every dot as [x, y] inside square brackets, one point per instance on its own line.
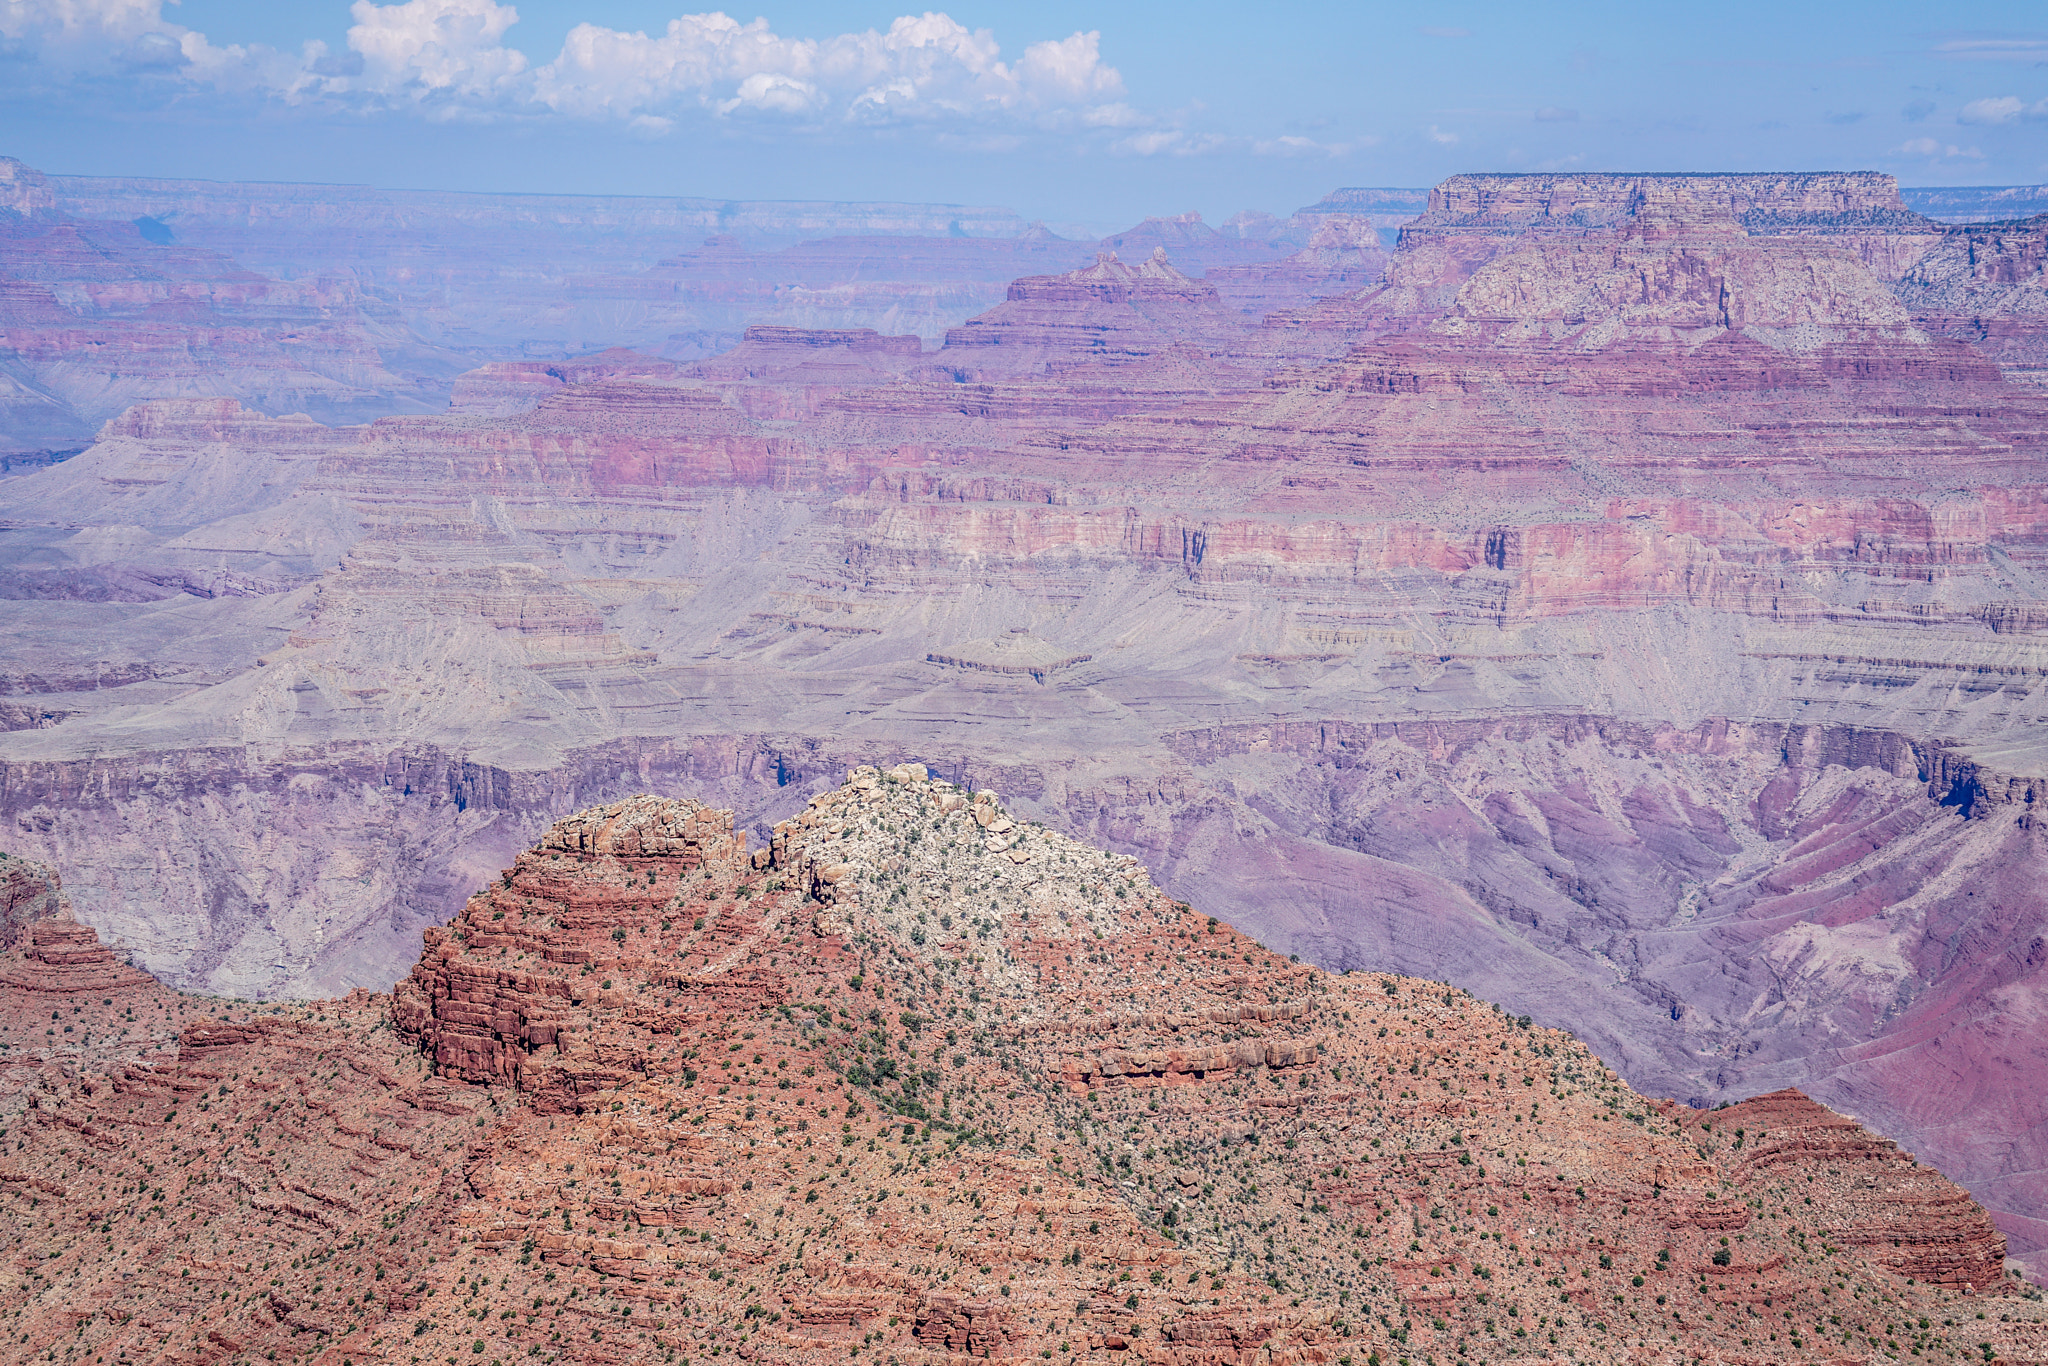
[517, 277]
[29, 892]
[1639, 626]
[49, 951]
[1987, 284]
[95, 315]
[924, 1079]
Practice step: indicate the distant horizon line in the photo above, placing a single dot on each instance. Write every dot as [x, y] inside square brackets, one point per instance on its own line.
[984, 210]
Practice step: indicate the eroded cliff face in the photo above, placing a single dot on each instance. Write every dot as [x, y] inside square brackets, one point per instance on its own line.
[924, 1078]
[1988, 284]
[29, 892]
[1640, 623]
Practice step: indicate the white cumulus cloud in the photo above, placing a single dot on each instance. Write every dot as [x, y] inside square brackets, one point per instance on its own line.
[774, 92]
[1938, 150]
[132, 37]
[83, 22]
[1294, 145]
[1070, 70]
[2002, 109]
[434, 46]
[921, 67]
[1176, 142]
[457, 56]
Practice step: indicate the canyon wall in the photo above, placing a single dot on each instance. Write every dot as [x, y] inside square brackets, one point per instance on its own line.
[1630, 607]
[511, 276]
[349, 303]
[97, 313]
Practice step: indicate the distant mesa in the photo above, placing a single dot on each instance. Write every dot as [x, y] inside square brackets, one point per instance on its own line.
[1385, 209]
[1186, 235]
[818, 338]
[1978, 203]
[1108, 312]
[24, 191]
[1110, 280]
[1761, 204]
[1016, 651]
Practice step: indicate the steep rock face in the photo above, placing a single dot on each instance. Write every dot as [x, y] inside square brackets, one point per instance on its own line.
[1988, 284]
[583, 905]
[1763, 204]
[1802, 228]
[29, 892]
[25, 192]
[61, 956]
[48, 951]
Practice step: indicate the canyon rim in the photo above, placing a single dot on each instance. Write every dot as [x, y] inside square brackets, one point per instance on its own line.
[1597, 635]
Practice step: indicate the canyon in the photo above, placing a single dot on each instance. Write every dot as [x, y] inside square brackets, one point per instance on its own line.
[918, 1079]
[350, 302]
[1621, 601]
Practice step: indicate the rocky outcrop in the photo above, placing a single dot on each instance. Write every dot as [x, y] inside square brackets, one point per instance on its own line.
[29, 892]
[1108, 313]
[612, 894]
[925, 1078]
[46, 950]
[1864, 1194]
[505, 387]
[63, 956]
[1014, 652]
[24, 191]
[1757, 205]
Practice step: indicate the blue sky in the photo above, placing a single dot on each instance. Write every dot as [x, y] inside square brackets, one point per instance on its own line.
[1068, 111]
